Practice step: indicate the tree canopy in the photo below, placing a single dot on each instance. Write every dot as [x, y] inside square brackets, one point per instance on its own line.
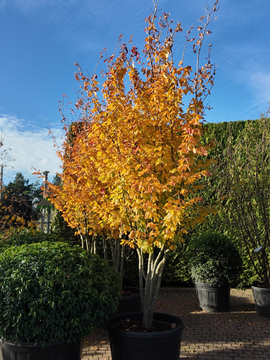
[20, 188]
[132, 165]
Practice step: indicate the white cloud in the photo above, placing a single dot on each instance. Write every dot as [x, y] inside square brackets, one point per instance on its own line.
[31, 147]
[260, 83]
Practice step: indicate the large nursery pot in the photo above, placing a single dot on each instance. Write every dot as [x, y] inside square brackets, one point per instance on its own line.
[128, 345]
[215, 264]
[130, 300]
[51, 296]
[262, 300]
[213, 297]
[55, 350]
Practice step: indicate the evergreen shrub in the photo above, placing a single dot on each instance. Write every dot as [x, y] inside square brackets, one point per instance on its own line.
[54, 292]
[17, 237]
[214, 260]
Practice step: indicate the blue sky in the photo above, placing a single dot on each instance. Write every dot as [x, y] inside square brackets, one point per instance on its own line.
[40, 40]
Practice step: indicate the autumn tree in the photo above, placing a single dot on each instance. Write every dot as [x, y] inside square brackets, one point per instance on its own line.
[132, 169]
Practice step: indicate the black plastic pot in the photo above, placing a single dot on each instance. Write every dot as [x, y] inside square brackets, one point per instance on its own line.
[145, 346]
[57, 350]
[213, 297]
[262, 300]
[130, 303]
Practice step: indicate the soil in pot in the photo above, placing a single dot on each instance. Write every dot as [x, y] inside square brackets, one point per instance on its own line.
[130, 342]
[136, 326]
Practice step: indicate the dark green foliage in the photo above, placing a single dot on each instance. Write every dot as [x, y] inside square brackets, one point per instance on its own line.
[231, 188]
[219, 132]
[17, 237]
[53, 291]
[16, 212]
[177, 271]
[245, 170]
[21, 189]
[214, 260]
[61, 229]
[16, 205]
[130, 275]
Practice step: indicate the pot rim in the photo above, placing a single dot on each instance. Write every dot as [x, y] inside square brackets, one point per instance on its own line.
[260, 288]
[139, 315]
[33, 344]
[214, 285]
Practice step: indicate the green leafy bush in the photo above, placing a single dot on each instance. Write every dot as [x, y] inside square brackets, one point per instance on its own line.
[60, 228]
[214, 260]
[54, 291]
[177, 270]
[17, 237]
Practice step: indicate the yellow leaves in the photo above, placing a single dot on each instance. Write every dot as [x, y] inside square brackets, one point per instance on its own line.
[151, 225]
[148, 215]
[187, 70]
[144, 171]
[133, 168]
[132, 234]
[184, 192]
[204, 173]
[137, 167]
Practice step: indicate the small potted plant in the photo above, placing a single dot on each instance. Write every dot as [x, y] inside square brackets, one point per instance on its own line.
[215, 264]
[52, 294]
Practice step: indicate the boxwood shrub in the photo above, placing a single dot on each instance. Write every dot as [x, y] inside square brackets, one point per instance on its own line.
[214, 260]
[54, 291]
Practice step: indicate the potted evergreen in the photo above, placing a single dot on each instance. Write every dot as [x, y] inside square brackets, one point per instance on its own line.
[52, 295]
[215, 265]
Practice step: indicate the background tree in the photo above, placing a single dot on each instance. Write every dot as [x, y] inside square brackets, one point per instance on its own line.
[21, 189]
[59, 226]
[132, 171]
[17, 203]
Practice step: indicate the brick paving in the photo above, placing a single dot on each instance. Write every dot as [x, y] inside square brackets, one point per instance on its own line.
[239, 334]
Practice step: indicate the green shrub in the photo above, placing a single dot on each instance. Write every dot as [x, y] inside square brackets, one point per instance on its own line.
[17, 237]
[61, 229]
[214, 260]
[54, 291]
[177, 271]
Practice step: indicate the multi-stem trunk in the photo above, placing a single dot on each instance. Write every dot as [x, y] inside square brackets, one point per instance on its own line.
[117, 251]
[150, 275]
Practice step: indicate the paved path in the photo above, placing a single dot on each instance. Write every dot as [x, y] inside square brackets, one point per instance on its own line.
[239, 334]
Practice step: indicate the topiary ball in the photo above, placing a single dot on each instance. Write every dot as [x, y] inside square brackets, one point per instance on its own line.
[214, 259]
[54, 292]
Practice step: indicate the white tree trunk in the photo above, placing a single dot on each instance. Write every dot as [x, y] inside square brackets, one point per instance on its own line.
[150, 279]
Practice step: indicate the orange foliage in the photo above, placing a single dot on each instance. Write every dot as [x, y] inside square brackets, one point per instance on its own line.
[131, 161]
